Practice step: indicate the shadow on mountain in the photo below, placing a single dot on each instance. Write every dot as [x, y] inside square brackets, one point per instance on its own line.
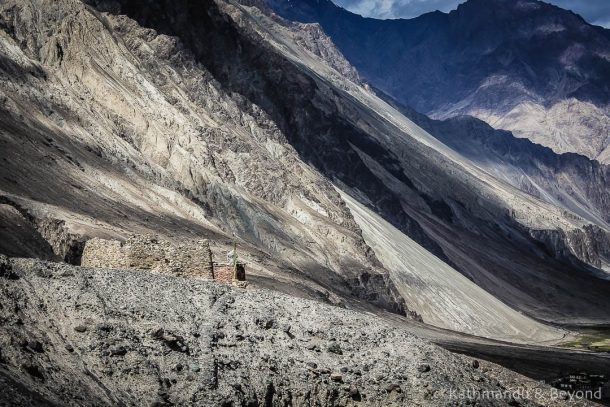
[312, 124]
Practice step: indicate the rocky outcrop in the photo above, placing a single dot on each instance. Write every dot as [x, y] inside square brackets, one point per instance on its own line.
[19, 238]
[590, 245]
[67, 246]
[313, 38]
[40, 237]
[94, 337]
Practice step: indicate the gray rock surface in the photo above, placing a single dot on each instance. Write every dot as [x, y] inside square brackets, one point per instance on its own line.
[78, 336]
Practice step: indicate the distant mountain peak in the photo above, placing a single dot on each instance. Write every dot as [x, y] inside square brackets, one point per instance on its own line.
[515, 63]
[527, 9]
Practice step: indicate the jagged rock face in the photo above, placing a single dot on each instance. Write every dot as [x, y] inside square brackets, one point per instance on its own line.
[128, 131]
[524, 66]
[95, 337]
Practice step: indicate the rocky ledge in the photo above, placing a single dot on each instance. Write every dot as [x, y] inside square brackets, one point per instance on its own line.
[80, 336]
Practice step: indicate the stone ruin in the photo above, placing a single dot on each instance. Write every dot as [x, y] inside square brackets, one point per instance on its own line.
[142, 252]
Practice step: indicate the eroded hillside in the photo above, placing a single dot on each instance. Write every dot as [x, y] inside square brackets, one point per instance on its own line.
[117, 129]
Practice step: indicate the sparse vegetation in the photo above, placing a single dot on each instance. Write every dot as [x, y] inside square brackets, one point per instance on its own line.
[591, 339]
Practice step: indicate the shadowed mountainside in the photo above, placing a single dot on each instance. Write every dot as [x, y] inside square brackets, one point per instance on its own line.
[525, 66]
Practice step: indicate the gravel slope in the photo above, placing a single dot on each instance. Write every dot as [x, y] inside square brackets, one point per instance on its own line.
[442, 296]
[76, 336]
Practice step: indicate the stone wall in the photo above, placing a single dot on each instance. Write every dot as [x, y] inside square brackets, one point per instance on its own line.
[104, 253]
[187, 258]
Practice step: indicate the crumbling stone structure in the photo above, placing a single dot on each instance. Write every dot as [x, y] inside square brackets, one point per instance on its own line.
[189, 258]
[142, 252]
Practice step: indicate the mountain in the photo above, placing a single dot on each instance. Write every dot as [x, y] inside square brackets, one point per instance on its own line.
[219, 119]
[525, 66]
[111, 131]
[427, 189]
[567, 180]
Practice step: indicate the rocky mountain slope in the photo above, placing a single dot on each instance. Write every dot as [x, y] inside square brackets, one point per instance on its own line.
[424, 179]
[113, 129]
[568, 180]
[76, 336]
[218, 119]
[473, 247]
[524, 66]
[440, 293]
